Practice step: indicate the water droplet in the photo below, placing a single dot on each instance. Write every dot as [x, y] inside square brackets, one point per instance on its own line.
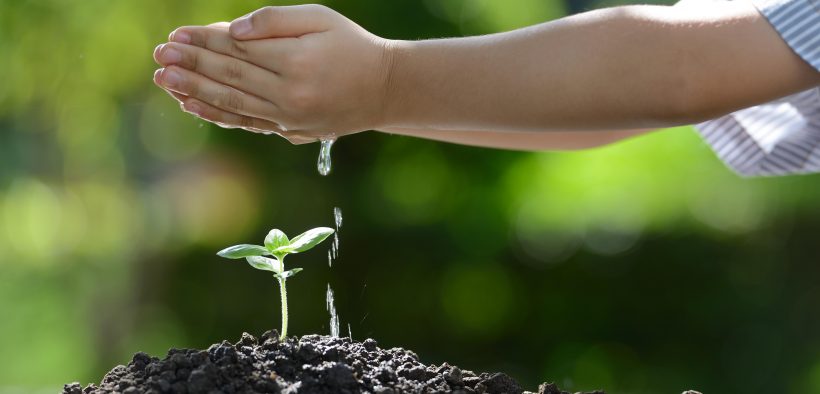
[329, 259]
[334, 318]
[349, 332]
[333, 253]
[324, 156]
[337, 215]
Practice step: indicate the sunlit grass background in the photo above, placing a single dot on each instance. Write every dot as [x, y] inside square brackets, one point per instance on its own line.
[644, 267]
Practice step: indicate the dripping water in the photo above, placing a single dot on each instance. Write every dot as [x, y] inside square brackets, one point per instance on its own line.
[334, 318]
[324, 156]
[337, 217]
[333, 253]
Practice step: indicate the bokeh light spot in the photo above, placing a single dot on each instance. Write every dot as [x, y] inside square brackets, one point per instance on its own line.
[31, 220]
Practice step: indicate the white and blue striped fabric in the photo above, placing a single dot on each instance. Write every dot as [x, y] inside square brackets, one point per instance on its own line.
[781, 137]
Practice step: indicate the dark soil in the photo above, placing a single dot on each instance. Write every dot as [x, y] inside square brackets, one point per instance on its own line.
[310, 364]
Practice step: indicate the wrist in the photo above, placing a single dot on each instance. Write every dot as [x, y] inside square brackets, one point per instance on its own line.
[394, 101]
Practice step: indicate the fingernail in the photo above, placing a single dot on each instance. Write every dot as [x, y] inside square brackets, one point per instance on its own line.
[241, 26]
[156, 75]
[171, 55]
[171, 78]
[193, 108]
[157, 50]
[181, 36]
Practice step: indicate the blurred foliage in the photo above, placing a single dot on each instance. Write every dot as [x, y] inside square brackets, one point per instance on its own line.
[641, 267]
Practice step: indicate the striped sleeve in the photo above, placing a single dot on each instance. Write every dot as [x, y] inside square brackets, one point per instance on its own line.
[781, 137]
[798, 23]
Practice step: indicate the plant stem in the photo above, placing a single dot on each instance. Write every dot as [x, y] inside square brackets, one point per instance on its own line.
[283, 291]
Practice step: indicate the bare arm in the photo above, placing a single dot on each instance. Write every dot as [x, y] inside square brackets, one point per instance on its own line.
[626, 67]
[307, 72]
[522, 140]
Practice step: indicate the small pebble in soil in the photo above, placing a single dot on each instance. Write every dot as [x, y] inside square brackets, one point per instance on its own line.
[310, 364]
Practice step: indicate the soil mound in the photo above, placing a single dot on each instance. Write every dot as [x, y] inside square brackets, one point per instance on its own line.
[310, 364]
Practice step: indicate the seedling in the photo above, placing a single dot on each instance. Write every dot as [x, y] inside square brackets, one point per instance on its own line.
[278, 245]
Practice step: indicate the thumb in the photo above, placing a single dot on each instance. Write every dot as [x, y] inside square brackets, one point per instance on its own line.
[285, 21]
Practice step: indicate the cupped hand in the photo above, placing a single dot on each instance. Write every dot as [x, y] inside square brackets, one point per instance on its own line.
[304, 72]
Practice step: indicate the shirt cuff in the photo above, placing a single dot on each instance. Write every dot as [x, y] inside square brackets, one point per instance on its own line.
[798, 23]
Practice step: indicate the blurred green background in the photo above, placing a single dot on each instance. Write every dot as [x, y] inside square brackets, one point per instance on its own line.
[644, 267]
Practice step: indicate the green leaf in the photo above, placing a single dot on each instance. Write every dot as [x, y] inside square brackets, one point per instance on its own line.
[264, 263]
[306, 240]
[276, 239]
[288, 274]
[244, 250]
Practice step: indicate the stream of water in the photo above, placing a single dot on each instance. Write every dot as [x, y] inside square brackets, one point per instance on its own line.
[323, 163]
[332, 254]
[324, 166]
[334, 318]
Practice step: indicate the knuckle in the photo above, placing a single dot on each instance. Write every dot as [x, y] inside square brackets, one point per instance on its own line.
[190, 59]
[317, 8]
[233, 71]
[230, 99]
[193, 61]
[183, 84]
[265, 15]
[191, 88]
[238, 49]
[199, 37]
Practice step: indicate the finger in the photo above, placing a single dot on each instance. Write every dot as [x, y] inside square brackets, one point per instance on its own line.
[224, 69]
[212, 37]
[176, 96]
[227, 119]
[223, 119]
[286, 21]
[216, 94]
[263, 53]
[179, 97]
[297, 139]
[219, 117]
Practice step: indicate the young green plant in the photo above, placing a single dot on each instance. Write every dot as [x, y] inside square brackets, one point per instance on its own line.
[278, 245]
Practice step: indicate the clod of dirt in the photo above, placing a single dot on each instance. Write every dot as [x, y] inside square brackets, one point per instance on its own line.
[310, 364]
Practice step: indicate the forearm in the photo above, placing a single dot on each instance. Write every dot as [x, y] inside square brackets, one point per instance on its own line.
[621, 68]
[521, 140]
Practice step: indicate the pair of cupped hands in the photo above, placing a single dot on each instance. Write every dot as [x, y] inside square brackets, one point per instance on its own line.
[304, 72]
